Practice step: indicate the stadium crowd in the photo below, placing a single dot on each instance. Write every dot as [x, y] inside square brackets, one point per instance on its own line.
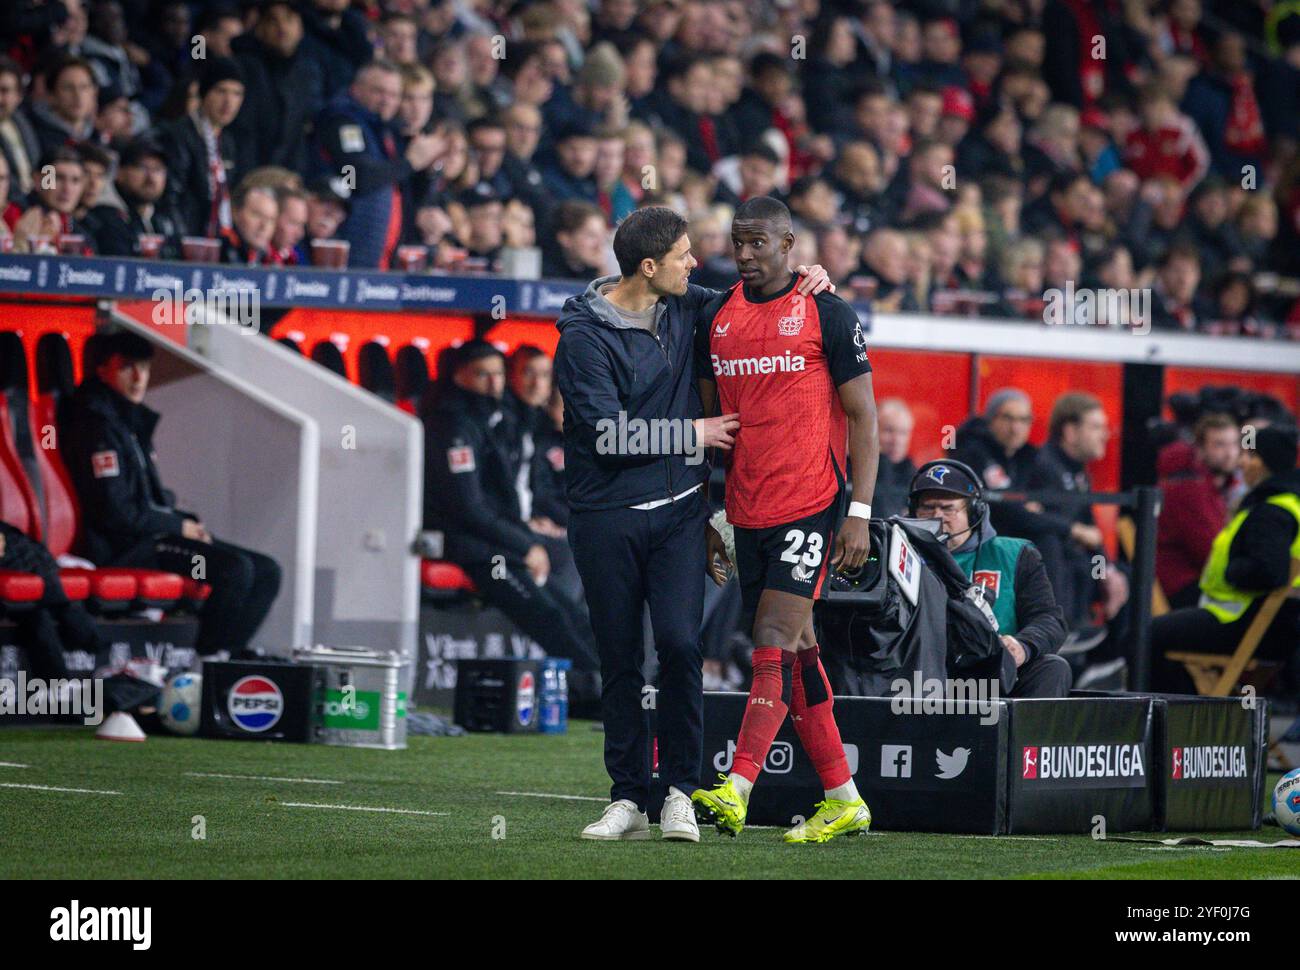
[951, 156]
[945, 156]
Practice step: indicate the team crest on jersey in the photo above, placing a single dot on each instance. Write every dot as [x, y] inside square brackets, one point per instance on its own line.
[460, 459]
[995, 476]
[988, 578]
[789, 326]
[103, 464]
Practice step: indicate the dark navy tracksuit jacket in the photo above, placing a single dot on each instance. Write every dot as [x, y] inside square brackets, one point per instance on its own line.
[632, 557]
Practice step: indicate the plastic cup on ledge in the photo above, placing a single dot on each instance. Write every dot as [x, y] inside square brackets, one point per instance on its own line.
[150, 245]
[71, 244]
[330, 253]
[200, 249]
[412, 259]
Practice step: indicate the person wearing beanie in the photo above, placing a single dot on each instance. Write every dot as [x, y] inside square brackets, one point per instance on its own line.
[130, 519]
[1031, 626]
[1250, 558]
[200, 152]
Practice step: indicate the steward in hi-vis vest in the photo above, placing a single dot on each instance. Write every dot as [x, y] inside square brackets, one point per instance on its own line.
[1250, 558]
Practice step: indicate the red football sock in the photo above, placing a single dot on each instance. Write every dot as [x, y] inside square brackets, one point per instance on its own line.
[769, 700]
[810, 708]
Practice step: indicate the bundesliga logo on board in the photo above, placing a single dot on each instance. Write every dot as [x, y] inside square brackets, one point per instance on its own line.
[1082, 761]
[1208, 761]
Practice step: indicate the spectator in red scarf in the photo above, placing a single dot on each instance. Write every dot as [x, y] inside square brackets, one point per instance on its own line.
[1222, 102]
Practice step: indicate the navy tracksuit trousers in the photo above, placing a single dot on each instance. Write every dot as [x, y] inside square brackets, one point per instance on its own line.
[629, 558]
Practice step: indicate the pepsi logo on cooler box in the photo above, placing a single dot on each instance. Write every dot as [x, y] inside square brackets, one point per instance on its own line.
[525, 697]
[255, 703]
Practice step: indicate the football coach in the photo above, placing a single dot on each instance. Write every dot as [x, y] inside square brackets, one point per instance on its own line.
[634, 449]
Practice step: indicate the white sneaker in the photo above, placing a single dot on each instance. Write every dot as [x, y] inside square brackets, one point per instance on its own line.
[620, 821]
[677, 819]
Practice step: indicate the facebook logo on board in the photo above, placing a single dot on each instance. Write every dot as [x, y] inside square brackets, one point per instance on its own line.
[895, 761]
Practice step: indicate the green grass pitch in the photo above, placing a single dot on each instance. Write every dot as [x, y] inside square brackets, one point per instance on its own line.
[262, 829]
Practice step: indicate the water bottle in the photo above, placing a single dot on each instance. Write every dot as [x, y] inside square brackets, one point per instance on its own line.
[555, 696]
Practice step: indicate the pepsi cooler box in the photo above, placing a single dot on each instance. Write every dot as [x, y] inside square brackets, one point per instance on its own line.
[258, 700]
[498, 695]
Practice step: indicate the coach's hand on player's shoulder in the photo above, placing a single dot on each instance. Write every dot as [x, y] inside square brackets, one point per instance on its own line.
[538, 563]
[715, 557]
[815, 280]
[717, 432]
[852, 545]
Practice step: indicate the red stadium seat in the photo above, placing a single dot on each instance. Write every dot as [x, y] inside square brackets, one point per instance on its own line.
[194, 593]
[75, 587]
[109, 590]
[19, 590]
[444, 579]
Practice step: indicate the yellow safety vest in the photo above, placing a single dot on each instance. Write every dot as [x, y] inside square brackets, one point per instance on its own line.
[1219, 596]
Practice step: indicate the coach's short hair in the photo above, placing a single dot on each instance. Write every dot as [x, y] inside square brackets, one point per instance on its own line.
[764, 208]
[646, 234]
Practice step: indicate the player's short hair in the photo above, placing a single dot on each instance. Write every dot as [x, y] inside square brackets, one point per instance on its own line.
[646, 234]
[523, 355]
[764, 208]
[1070, 409]
[123, 343]
[1215, 421]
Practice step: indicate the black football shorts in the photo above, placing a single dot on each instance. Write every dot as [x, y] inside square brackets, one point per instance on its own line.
[793, 558]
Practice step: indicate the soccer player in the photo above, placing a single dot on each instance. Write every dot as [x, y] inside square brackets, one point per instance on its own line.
[637, 521]
[795, 369]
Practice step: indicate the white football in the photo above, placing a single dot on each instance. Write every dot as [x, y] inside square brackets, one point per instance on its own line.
[1286, 801]
[181, 701]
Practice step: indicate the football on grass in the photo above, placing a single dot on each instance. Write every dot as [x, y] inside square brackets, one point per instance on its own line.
[179, 710]
[1286, 801]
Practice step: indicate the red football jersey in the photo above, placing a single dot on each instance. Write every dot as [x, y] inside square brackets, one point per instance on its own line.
[778, 363]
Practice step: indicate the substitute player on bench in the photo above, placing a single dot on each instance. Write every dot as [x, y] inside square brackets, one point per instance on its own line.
[795, 369]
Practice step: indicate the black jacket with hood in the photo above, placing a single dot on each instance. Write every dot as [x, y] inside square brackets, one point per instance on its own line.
[472, 462]
[108, 448]
[977, 447]
[607, 367]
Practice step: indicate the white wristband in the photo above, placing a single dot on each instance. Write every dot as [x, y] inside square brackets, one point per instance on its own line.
[860, 510]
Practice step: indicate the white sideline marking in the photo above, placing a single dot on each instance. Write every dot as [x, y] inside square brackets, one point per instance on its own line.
[12, 764]
[361, 808]
[543, 794]
[80, 791]
[1007, 838]
[304, 781]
